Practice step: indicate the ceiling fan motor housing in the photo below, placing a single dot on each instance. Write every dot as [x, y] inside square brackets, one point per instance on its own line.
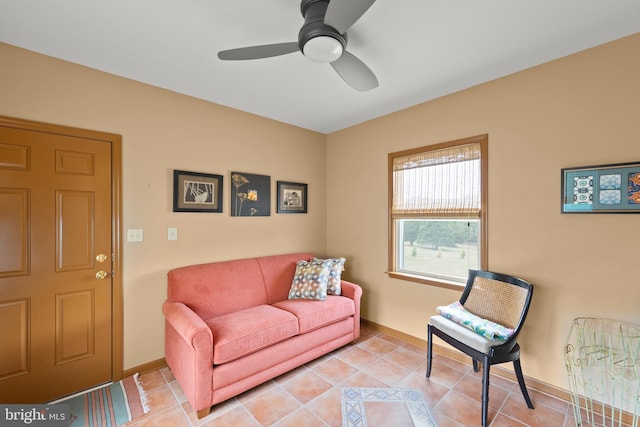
[313, 12]
[322, 39]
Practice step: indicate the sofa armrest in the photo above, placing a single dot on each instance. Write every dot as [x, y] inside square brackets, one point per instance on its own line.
[189, 352]
[187, 324]
[353, 291]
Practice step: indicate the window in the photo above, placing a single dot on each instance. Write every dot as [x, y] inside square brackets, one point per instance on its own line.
[438, 212]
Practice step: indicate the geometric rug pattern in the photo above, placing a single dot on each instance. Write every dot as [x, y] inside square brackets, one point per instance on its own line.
[387, 406]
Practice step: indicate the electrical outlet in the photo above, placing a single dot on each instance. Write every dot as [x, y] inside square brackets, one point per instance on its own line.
[135, 235]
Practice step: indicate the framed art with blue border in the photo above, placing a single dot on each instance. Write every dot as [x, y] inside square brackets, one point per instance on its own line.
[613, 188]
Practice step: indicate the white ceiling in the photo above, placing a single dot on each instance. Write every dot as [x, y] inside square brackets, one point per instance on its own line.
[419, 49]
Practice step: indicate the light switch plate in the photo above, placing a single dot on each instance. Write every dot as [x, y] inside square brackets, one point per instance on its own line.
[172, 233]
[135, 235]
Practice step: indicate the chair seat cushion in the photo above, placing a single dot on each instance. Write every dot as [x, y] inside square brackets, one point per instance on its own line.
[464, 335]
[316, 314]
[243, 332]
[488, 329]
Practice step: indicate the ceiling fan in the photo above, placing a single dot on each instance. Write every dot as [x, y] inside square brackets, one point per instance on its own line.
[322, 38]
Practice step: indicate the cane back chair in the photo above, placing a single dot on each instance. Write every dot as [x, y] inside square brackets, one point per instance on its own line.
[497, 298]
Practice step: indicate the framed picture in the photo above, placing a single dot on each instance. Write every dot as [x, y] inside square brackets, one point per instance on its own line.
[196, 192]
[613, 188]
[292, 197]
[250, 194]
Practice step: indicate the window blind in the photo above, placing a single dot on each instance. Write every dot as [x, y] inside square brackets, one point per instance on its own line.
[437, 183]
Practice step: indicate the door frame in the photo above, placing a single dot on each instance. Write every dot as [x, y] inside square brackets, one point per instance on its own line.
[117, 318]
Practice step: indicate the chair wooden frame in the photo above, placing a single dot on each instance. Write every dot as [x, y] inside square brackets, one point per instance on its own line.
[508, 351]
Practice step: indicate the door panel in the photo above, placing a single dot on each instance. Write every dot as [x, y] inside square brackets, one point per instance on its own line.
[14, 228]
[14, 156]
[75, 327]
[14, 360]
[74, 230]
[55, 217]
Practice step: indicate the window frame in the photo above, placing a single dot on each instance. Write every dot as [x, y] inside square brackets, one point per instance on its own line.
[392, 272]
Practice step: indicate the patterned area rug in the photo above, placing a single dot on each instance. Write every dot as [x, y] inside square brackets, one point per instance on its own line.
[399, 407]
[109, 406]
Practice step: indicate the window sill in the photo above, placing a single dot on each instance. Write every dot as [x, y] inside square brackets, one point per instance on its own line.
[439, 283]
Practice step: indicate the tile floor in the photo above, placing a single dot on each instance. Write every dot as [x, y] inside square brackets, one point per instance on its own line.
[310, 395]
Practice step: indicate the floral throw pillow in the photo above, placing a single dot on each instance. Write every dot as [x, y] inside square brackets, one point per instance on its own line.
[310, 280]
[335, 275]
[490, 330]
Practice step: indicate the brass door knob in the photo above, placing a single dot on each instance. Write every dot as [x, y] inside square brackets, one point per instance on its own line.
[101, 275]
[101, 258]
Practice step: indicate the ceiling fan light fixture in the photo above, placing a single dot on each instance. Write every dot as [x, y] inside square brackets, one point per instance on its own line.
[323, 49]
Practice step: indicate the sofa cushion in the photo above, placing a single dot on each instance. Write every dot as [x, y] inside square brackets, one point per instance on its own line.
[218, 288]
[316, 314]
[310, 280]
[246, 331]
[335, 275]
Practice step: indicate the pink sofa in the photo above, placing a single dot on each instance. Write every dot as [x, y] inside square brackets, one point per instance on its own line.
[229, 326]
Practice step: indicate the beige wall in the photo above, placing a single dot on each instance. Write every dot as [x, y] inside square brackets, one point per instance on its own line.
[580, 110]
[163, 131]
[576, 111]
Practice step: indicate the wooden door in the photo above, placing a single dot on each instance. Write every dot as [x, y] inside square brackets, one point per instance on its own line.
[56, 263]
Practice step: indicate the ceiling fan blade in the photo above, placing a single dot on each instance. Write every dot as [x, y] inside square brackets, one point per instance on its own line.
[257, 52]
[342, 14]
[355, 72]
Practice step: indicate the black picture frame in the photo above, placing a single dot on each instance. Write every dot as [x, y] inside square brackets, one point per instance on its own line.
[197, 192]
[612, 188]
[292, 197]
[250, 194]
